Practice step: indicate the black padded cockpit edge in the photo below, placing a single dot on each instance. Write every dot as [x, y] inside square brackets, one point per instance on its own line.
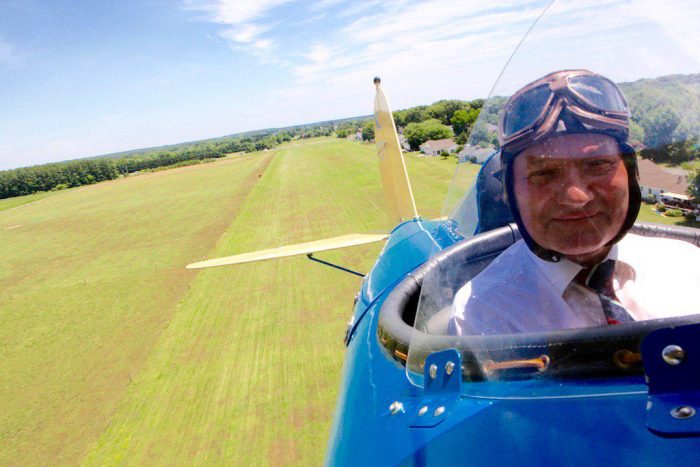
[594, 346]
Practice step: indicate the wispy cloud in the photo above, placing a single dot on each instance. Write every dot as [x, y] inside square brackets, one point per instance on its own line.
[445, 48]
[246, 21]
[8, 52]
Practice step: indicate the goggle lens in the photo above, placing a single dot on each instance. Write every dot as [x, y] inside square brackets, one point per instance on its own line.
[599, 93]
[525, 111]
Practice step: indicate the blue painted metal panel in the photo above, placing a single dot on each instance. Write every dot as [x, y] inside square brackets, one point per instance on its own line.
[409, 245]
[581, 426]
[673, 384]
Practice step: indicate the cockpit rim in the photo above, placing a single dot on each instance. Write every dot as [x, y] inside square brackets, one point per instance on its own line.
[596, 351]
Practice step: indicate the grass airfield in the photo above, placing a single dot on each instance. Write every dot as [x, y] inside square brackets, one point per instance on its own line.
[112, 353]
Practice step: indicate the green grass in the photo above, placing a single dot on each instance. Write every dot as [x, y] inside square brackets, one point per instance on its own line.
[89, 279]
[9, 203]
[113, 353]
[691, 165]
[648, 214]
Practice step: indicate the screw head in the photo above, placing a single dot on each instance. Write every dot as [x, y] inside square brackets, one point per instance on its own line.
[439, 411]
[683, 412]
[396, 407]
[422, 410]
[433, 371]
[673, 355]
[449, 368]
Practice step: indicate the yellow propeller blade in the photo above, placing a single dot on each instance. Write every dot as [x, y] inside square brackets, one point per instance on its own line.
[292, 250]
[397, 188]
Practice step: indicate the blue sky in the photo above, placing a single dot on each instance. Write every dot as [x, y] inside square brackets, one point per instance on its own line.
[83, 78]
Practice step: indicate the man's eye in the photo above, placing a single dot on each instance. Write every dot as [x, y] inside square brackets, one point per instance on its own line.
[600, 166]
[541, 176]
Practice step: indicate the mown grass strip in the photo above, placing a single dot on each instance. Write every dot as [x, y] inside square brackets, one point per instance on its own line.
[248, 370]
[89, 278]
[11, 203]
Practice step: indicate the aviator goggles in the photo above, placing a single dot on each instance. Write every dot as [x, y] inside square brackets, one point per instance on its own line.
[536, 111]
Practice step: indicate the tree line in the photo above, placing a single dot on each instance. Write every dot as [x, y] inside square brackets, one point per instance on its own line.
[57, 176]
[665, 127]
[62, 175]
[442, 119]
[665, 124]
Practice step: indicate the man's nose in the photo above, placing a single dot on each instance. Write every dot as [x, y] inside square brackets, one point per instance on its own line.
[575, 189]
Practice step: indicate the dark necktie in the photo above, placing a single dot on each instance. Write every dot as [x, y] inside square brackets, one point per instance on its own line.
[600, 281]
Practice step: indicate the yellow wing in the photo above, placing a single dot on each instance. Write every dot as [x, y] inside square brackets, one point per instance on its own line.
[397, 188]
[292, 250]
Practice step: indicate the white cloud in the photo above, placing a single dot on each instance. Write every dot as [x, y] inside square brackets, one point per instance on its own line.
[244, 33]
[243, 18]
[436, 49]
[234, 11]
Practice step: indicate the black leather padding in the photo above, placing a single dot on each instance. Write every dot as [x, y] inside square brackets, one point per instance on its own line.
[686, 234]
[395, 328]
[493, 210]
[578, 351]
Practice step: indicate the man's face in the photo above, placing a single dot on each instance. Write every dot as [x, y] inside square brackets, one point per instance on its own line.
[572, 194]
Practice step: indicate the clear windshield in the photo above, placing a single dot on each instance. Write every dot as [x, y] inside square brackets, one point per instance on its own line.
[514, 314]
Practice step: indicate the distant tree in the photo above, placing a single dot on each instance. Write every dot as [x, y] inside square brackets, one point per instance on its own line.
[463, 120]
[368, 131]
[477, 104]
[636, 133]
[436, 130]
[444, 154]
[415, 134]
[462, 138]
[460, 121]
[479, 136]
[418, 133]
[445, 110]
[683, 150]
[414, 115]
[694, 185]
[659, 125]
[399, 118]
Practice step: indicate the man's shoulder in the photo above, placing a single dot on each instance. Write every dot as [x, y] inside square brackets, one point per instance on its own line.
[508, 263]
[663, 258]
[513, 266]
[642, 246]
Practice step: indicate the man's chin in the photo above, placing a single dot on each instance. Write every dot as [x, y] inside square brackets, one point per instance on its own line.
[584, 252]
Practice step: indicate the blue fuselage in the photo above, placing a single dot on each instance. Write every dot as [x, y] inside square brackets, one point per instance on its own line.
[583, 422]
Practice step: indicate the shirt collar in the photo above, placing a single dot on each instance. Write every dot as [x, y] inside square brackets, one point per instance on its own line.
[561, 274]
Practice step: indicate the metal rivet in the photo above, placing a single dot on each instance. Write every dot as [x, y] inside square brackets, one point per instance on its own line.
[449, 368]
[396, 407]
[422, 410]
[673, 354]
[433, 371]
[439, 411]
[684, 411]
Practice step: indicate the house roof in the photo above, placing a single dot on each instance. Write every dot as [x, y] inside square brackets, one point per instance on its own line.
[476, 150]
[669, 194]
[653, 176]
[439, 144]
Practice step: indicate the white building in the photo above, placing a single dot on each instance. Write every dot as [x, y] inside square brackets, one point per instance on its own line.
[475, 154]
[433, 147]
[659, 182]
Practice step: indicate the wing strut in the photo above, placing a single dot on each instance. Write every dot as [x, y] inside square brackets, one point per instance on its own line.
[311, 257]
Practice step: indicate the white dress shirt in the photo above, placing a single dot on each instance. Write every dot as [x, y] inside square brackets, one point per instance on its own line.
[519, 292]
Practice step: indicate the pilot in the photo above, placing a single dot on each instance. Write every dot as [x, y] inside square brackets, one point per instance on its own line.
[570, 179]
